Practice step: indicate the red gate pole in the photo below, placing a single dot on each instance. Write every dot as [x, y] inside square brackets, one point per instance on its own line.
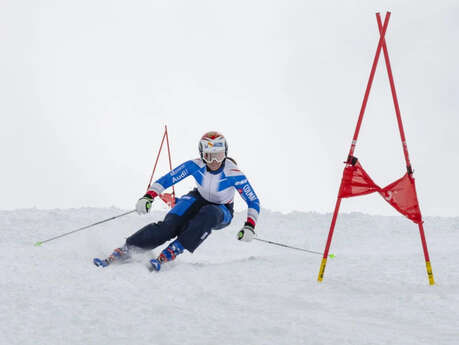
[353, 145]
[394, 97]
[170, 164]
[156, 162]
[405, 149]
[329, 239]
[168, 198]
[426, 255]
[369, 84]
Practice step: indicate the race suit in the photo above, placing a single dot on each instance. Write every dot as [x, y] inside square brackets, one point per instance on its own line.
[206, 208]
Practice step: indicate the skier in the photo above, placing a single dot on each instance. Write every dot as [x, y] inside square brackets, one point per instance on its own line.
[207, 207]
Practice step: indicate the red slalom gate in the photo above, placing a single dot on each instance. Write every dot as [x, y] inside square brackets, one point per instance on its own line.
[401, 194]
[168, 198]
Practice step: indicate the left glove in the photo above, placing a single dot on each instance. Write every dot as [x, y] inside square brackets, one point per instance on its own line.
[247, 233]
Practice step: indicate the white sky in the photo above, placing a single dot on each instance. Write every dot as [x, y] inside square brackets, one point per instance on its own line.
[87, 87]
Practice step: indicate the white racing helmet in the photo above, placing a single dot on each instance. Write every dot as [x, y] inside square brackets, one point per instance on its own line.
[213, 147]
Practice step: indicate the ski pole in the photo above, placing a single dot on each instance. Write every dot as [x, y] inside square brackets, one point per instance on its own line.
[39, 243]
[287, 246]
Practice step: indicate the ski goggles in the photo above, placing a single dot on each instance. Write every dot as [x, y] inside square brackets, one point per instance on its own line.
[209, 157]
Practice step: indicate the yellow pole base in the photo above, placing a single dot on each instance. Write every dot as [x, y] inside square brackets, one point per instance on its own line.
[322, 269]
[429, 273]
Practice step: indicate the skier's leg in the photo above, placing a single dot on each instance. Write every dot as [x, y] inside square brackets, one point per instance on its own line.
[149, 237]
[200, 226]
[195, 232]
[155, 234]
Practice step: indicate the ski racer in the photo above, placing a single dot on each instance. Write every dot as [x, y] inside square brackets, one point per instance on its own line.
[207, 207]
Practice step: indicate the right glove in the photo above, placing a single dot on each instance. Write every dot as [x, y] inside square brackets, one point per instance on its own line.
[247, 233]
[144, 204]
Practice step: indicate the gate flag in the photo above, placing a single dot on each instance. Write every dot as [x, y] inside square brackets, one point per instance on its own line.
[356, 182]
[401, 194]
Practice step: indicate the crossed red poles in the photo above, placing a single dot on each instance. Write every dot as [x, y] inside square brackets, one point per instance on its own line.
[168, 198]
[401, 194]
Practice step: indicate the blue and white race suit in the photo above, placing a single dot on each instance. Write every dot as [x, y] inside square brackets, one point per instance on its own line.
[214, 186]
[206, 208]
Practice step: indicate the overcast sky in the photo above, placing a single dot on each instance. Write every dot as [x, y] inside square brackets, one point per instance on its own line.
[87, 87]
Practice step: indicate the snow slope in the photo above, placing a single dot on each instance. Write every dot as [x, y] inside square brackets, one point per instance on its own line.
[374, 292]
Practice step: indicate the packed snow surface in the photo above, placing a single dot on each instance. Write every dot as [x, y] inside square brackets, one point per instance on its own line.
[374, 292]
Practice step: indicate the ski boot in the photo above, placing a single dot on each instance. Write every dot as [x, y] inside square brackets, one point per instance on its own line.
[168, 254]
[118, 254]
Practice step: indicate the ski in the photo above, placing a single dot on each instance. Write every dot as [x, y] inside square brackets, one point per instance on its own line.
[117, 255]
[100, 262]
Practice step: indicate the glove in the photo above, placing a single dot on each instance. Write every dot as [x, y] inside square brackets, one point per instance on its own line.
[144, 204]
[247, 233]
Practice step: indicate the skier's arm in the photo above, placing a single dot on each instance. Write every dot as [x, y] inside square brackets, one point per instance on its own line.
[172, 177]
[248, 195]
[247, 233]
